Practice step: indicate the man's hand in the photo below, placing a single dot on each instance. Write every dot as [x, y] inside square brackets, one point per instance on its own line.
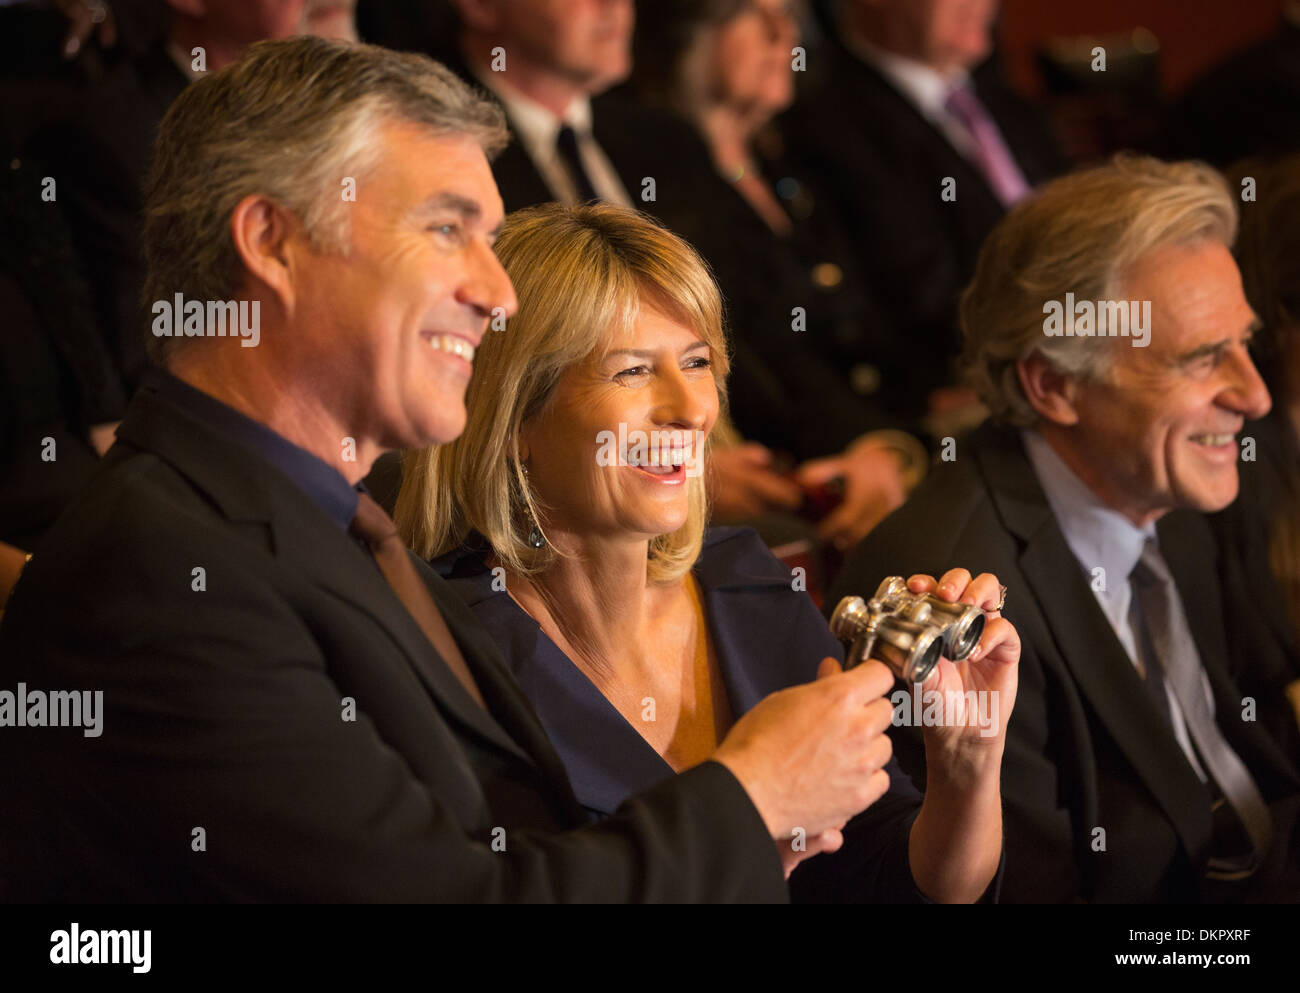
[873, 488]
[742, 483]
[812, 756]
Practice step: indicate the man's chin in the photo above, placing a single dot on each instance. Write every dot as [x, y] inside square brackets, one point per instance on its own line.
[1213, 496]
[597, 79]
[421, 434]
[443, 434]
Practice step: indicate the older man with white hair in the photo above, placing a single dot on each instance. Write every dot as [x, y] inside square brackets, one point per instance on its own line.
[1107, 331]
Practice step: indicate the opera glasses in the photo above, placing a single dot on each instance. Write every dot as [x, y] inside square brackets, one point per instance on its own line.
[905, 630]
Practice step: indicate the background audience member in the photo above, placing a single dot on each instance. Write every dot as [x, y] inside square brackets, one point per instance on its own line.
[72, 269]
[549, 62]
[810, 342]
[902, 102]
[63, 394]
[100, 156]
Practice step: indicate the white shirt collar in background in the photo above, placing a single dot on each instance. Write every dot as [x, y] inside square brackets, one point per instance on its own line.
[538, 127]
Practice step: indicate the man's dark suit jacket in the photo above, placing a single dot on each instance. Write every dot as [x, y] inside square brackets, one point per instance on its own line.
[1086, 748]
[225, 708]
[884, 164]
[767, 636]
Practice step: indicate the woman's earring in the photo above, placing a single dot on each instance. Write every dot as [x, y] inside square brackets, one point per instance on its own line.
[535, 537]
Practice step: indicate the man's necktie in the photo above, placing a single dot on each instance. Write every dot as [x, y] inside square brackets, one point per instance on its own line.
[566, 143]
[1148, 661]
[995, 160]
[380, 533]
[1171, 637]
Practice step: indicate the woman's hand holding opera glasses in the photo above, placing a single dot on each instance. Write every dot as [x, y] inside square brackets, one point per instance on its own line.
[976, 722]
[948, 642]
[962, 707]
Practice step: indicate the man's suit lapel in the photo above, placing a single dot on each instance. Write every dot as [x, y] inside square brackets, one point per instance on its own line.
[249, 491]
[312, 544]
[499, 688]
[1085, 640]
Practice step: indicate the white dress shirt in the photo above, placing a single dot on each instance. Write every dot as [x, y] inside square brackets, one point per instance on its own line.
[538, 128]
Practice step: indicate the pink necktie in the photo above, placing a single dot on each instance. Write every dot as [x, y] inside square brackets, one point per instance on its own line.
[995, 160]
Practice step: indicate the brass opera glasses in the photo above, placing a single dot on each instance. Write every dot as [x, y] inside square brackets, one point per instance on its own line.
[905, 630]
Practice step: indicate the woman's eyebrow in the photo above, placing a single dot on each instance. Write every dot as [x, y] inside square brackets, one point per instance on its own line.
[645, 353]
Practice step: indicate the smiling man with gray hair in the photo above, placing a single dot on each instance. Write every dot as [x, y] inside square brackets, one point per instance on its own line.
[294, 706]
[1138, 765]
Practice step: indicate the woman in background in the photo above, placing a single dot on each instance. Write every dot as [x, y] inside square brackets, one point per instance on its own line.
[814, 355]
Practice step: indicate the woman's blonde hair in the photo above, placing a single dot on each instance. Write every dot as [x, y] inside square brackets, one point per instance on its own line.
[1080, 234]
[581, 275]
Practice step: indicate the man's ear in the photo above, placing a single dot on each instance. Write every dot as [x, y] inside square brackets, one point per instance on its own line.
[264, 235]
[1050, 392]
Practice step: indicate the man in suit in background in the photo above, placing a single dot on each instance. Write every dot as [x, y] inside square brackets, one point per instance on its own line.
[550, 63]
[1134, 769]
[224, 676]
[897, 109]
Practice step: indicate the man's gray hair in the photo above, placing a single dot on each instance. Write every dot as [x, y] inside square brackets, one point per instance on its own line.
[1079, 234]
[289, 120]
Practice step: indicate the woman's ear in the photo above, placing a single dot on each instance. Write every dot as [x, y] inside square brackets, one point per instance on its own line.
[1050, 392]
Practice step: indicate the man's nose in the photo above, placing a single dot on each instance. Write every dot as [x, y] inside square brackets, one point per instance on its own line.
[486, 286]
[1246, 393]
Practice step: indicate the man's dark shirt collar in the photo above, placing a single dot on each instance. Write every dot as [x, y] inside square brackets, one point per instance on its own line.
[321, 482]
